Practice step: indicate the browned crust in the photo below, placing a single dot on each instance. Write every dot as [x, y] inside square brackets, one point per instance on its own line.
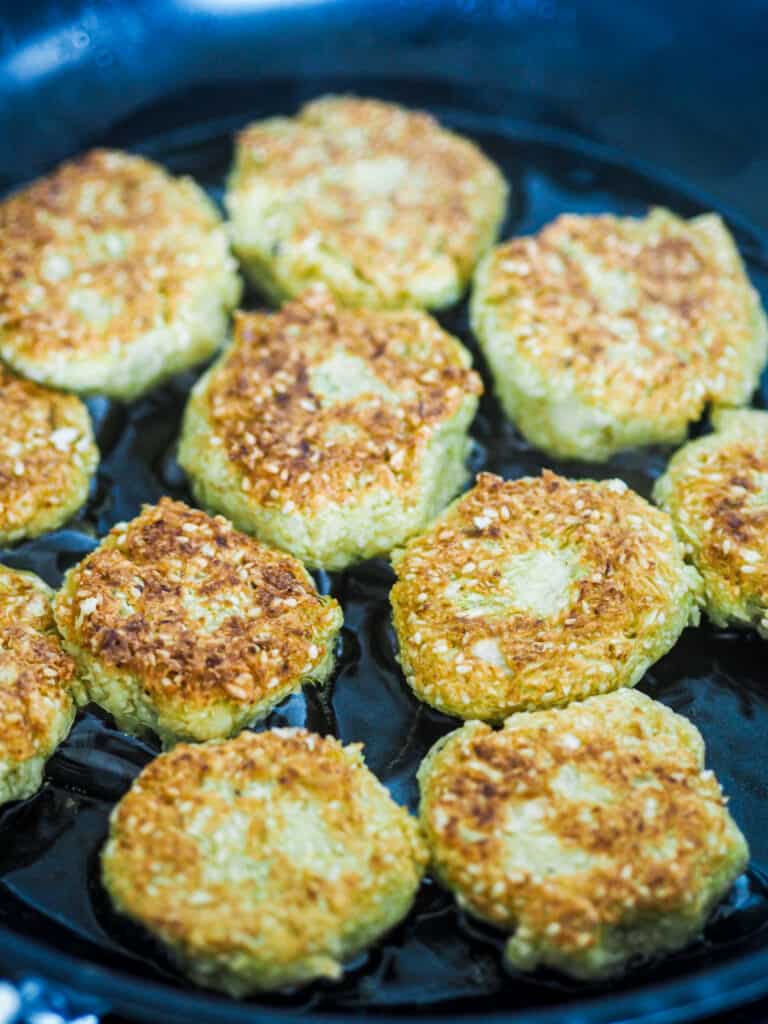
[727, 494]
[629, 566]
[37, 678]
[197, 611]
[656, 841]
[68, 214]
[47, 455]
[287, 444]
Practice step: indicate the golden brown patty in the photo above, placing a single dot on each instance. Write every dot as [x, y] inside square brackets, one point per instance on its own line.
[332, 434]
[47, 457]
[184, 626]
[606, 332]
[592, 833]
[380, 203]
[38, 683]
[262, 861]
[535, 592]
[716, 491]
[113, 275]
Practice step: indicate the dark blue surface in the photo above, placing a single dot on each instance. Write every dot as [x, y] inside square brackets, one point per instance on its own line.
[680, 83]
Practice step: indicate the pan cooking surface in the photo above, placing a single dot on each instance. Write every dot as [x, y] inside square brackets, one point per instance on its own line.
[436, 961]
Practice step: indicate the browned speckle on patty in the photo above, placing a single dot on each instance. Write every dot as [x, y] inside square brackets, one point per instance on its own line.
[187, 627]
[322, 420]
[534, 592]
[592, 833]
[262, 861]
[113, 274]
[380, 203]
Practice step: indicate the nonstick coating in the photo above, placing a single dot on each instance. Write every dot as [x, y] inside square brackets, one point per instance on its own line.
[54, 914]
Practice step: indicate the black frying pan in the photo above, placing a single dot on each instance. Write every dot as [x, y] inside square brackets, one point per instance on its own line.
[580, 105]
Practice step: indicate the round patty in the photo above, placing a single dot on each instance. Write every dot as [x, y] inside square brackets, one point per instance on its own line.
[183, 626]
[716, 491]
[535, 592]
[263, 861]
[38, 684]
[592, 833]
[113, 276]
[332, 434]
[604, 332]
[47, 457]
[380, 203]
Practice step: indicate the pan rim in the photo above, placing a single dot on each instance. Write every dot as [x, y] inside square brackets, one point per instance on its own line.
[709, 991]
